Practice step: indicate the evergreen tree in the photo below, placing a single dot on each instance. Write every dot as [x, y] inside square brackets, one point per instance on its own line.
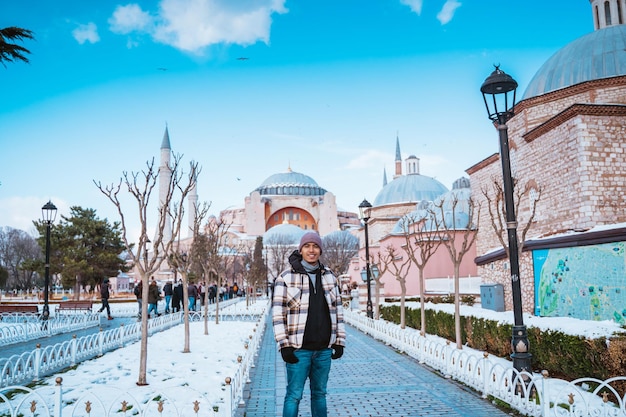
[84, 248]
[9, 52]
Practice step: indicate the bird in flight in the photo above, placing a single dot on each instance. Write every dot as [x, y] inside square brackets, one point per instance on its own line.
[243, 58]
[162, 69]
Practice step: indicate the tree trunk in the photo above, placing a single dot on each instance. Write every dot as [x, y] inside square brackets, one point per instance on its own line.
[186, 311]
[143, 357]
[422, 303]
[457, 308]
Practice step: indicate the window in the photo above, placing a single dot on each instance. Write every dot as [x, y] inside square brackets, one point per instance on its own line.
[607, 13]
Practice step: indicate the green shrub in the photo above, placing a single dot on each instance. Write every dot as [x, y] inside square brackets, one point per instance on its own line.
[562, 355]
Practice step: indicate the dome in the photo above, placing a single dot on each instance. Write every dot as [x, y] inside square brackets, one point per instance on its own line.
[290, 183]
[410, 188]
[597, 55]
[283, 234]
[458, 199]
[460, 193]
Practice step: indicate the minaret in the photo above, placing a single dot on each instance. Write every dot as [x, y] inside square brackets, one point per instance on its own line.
[398, 159]
[165, 177]
[608, 13]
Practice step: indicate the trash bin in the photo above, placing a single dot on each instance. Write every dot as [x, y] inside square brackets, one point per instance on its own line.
[492, 296]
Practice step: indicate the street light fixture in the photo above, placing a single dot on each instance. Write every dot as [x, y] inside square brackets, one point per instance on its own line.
[499, 86]
[364, 210]
[49, 213]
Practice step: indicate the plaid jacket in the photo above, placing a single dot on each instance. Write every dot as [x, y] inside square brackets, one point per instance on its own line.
[290, 308]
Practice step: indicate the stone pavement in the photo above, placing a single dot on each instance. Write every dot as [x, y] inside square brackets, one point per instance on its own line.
[371, 379]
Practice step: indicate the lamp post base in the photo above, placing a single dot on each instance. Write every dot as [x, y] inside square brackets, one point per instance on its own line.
[520, 356]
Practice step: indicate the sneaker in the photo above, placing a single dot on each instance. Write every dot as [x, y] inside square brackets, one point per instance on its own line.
[110, 318]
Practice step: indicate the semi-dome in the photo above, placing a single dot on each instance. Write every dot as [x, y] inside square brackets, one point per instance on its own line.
[283, 234]
[597, 55]
[290, 183]
[410, 188]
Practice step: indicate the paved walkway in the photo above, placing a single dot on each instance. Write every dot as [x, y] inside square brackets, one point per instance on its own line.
[371, 379]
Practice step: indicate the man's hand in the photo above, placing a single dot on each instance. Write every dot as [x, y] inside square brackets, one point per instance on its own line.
[337, 351]
[288, 355]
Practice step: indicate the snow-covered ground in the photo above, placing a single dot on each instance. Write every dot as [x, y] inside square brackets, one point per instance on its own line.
[212, 358]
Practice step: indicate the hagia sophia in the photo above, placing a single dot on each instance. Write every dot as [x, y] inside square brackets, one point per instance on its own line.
[568, 155]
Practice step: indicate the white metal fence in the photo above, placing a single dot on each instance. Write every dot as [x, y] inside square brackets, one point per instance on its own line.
[534, 395]
[106, 401]
[19, 327]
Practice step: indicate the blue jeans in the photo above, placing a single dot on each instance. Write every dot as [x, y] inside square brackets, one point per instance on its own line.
[153, 307]
[312, 364]
[168, 299]
[192, 304]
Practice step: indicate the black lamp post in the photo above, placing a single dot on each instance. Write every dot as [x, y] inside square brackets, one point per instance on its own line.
[364, 210]
[498, 86]
[49, 213]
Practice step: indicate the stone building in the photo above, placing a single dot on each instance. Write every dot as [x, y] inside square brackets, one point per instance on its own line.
[407, 195]
[568, 148]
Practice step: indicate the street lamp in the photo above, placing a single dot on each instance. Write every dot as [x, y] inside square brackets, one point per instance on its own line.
[49, 213]
[364, 210]
[498, 86]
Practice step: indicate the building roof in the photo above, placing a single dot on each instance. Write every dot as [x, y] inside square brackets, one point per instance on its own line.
[597, 55]
[290, 183]
[410, 188]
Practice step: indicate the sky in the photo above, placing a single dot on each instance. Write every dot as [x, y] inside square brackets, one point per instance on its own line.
[325, 89]
[168, 368]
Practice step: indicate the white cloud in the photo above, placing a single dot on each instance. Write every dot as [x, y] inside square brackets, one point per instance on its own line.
[129, 18]
[415, 5]
[86, 33]
[447, 11]
[192, 25]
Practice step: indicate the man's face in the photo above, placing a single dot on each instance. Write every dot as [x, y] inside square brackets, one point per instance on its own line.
[311, 253]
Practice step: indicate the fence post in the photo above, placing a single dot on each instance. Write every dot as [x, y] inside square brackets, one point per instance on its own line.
[100, 342]
[122, 335]
[229, 398]
[58, 397]
[37, 364]
[485, 374]
[74, 349]
[545, 394]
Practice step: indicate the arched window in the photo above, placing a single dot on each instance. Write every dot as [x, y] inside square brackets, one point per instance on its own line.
[619, 12]
[607, 13]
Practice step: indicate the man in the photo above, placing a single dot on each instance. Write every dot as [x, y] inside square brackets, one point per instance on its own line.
[308, 325]
[154, 295]
[104, 295]
[168, 291]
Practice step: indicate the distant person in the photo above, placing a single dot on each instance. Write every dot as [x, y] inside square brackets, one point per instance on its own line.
[153, 298]
[137, 291]
[168, 291]
[307, 316]
[192, 294]
[104, 296]
[177, 296]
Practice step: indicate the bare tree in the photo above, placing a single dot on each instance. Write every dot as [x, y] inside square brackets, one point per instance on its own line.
[398, 265]
[214, 256]
[494, 196]
[184, 260]
[339, 248]
[458, 225]
[422, 239]
[19, 253]
[278, 248]
[140, 185]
